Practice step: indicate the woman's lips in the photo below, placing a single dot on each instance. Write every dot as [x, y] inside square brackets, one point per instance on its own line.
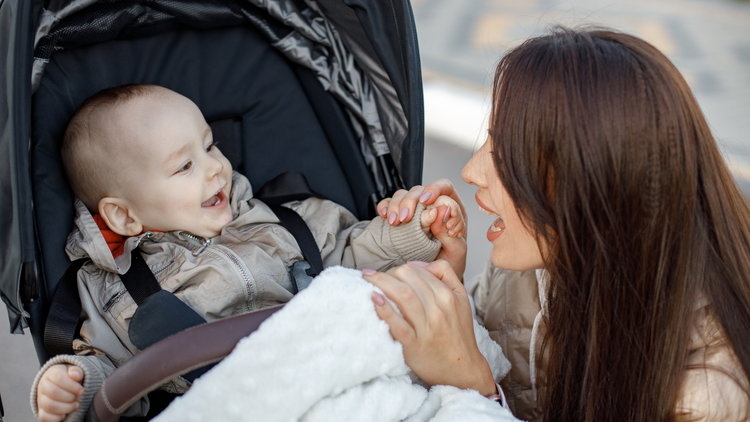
[497, 227]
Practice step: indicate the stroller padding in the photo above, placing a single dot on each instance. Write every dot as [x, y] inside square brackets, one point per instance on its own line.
[252, 97]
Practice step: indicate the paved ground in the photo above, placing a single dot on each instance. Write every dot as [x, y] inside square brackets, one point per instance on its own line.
[460, 43]
[18, 365]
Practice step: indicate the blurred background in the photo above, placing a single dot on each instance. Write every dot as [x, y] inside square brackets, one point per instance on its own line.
[461, 42]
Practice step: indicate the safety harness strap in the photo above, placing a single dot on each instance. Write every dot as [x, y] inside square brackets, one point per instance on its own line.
[304, 237]
[293, 186]
[64, 314]
[139, 280]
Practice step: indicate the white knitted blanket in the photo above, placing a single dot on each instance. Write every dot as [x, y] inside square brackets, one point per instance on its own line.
[327, 357]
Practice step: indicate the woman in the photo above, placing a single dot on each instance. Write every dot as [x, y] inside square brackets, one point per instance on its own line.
[603, 172]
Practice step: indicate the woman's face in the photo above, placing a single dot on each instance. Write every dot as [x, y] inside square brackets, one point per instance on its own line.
[514, 247]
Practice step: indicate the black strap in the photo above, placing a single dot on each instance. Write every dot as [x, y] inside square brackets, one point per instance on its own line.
[286, 187]
[64, 318]
[293, 186]
[304, 237]
[139, 280]
[64, 313]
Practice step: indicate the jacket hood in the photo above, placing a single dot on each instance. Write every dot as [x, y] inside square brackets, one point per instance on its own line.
[87, 242]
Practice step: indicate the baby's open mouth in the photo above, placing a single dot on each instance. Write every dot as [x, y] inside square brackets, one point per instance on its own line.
[214, 200]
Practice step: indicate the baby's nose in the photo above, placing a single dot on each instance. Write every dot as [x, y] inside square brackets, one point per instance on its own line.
[215, 167]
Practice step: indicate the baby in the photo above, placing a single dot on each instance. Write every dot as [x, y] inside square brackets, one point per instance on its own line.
[147, 174]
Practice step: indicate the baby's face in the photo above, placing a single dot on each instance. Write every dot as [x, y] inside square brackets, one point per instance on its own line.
[176, 177]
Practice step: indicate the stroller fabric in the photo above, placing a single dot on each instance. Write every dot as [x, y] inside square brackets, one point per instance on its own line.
[272, 125]
[327, 356]
[297, 29]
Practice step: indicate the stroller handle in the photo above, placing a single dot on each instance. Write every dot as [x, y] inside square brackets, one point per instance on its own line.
[197, 347]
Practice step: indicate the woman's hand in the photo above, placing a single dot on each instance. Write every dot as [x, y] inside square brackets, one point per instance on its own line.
[400, 207]
[436, 329]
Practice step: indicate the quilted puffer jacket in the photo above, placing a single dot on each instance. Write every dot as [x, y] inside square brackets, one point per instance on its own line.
[508, 304]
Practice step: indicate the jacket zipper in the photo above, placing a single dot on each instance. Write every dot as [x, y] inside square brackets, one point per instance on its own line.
[230, 256]
[203, 241]
[114, 299]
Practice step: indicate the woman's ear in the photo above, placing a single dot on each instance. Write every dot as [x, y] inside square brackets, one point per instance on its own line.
[119, 217]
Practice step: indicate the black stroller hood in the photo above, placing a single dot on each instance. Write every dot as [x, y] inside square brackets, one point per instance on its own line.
[374, 38]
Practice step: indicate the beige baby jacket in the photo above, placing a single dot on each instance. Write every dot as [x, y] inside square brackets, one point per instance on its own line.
[244, 269]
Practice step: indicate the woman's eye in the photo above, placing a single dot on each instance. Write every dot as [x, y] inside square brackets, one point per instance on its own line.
[186, 167]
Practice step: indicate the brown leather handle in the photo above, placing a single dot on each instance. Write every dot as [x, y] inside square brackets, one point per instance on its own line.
[176, 355]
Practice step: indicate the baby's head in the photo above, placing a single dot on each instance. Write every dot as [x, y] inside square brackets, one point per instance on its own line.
[143, 157]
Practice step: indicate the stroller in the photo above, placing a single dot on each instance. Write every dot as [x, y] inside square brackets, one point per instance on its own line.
[328, 88]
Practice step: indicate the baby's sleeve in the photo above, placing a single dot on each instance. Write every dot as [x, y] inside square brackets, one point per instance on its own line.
[377, 245]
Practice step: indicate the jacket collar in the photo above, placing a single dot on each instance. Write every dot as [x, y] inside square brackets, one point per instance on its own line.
[87, 241]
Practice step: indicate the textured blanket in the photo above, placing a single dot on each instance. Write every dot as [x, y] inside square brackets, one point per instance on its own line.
[327, 357]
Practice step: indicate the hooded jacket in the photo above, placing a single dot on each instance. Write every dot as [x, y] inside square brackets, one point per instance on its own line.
[244, 269]
[509, 305]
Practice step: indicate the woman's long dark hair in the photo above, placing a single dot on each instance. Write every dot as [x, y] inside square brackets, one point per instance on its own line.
[609, 160]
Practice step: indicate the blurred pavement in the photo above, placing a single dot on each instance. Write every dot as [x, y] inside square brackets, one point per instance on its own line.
[18, 366]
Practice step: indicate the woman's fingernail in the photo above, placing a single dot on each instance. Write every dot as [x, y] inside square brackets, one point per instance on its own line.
[383, 211]
[404, 213]
[367, 271]
[378, 299]
[420, 263]
[392, 218]
[425, 197]
[447, 215]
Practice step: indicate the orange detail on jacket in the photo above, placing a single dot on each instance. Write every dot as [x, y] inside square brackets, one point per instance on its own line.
[116, 242]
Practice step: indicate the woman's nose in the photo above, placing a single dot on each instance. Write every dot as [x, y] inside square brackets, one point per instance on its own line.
[473, 172]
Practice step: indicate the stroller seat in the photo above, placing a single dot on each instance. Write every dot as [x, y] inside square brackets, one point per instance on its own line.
[254, 100]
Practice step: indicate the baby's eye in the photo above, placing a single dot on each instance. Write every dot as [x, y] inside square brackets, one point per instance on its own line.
[186, 167]
[211, 146]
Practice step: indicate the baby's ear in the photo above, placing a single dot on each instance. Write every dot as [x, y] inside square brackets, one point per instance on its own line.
[119, 217]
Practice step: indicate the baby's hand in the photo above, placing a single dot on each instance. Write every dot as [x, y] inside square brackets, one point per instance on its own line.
[451, 233]
[452, 219]
[58, 392]
[449, 227]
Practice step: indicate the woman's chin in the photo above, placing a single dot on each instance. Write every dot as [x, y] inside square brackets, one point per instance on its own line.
[513, 263]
